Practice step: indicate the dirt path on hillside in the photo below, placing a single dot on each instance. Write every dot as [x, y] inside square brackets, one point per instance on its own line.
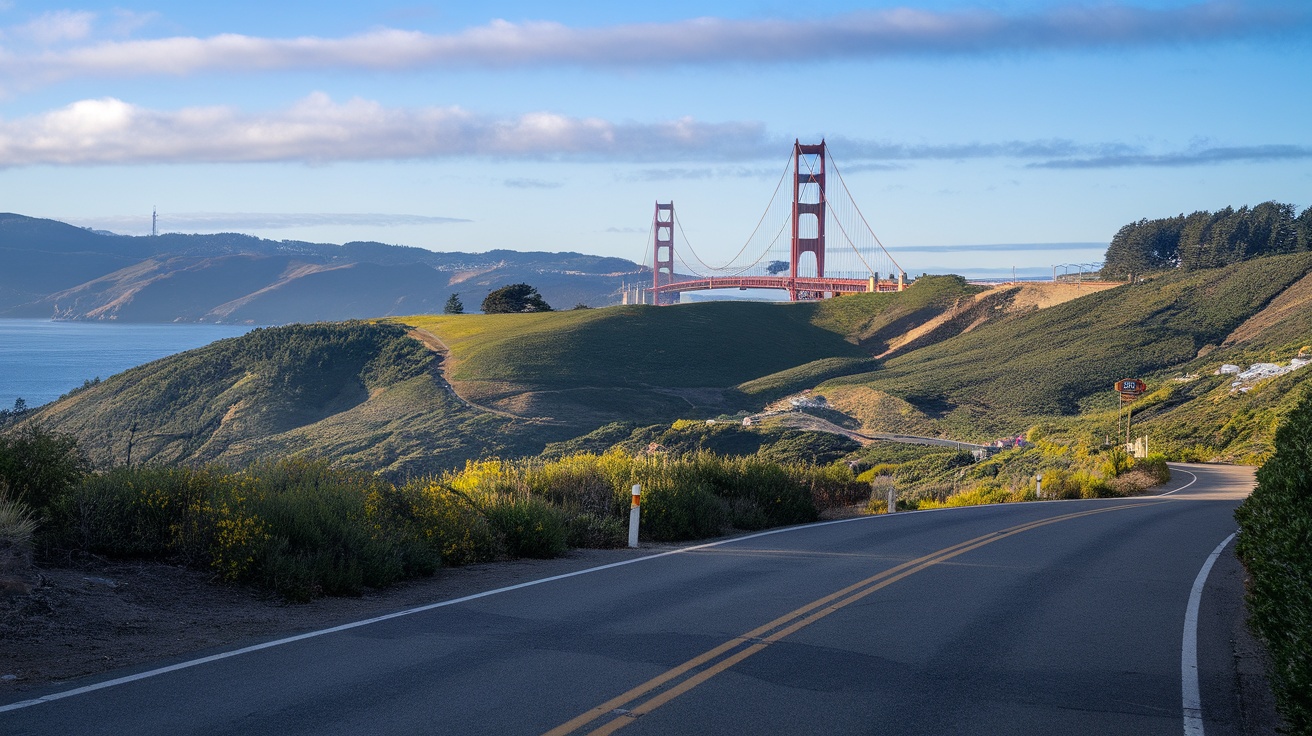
[434, 343]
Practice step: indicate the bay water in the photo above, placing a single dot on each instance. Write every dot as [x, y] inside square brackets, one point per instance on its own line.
[41, 359]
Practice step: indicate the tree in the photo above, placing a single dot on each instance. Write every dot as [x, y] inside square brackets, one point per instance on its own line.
[514, 299]
[454, 305]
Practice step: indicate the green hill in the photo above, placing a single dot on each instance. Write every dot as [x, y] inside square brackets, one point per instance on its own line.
[1060, 361]
[418, 394]
[371, 397]
[588, 367]
[363, 394]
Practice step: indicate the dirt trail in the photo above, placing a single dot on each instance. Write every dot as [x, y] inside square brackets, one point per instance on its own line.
[434, 343]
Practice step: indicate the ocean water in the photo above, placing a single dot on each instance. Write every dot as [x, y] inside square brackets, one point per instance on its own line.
[40, 360]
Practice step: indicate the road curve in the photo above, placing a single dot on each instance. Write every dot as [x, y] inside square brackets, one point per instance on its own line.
[1056, 617]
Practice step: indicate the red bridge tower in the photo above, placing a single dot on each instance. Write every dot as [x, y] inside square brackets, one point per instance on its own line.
[808, 202]
[662, 266]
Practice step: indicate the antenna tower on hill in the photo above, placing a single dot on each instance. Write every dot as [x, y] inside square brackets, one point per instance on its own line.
[154, 221]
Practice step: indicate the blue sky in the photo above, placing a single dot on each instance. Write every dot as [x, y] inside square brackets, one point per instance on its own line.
[532, 126]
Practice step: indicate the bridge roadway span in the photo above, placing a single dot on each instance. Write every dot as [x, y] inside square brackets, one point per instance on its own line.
[817, 285]
[1055, 617]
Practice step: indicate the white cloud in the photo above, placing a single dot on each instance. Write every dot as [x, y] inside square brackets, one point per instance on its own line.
[126, 22]
[502, 44]
[246, 221]
[56, 27]
[317, 129]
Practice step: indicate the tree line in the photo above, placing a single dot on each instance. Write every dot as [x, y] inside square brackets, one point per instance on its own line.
[1208, 239]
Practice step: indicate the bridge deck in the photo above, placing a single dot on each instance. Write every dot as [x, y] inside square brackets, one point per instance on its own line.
[815, 284]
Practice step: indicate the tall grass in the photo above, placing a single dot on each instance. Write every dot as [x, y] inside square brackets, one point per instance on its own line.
[687, 497]
[950, 478]
[18, 524]
[299, 527]
[305, 528]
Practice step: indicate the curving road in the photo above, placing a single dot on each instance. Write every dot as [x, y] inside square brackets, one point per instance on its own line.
[1058, 617]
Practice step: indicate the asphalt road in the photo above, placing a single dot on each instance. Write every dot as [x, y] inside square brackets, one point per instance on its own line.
[1045, 618]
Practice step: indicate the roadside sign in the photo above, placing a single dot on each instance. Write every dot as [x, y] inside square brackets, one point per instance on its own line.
[1130, 388]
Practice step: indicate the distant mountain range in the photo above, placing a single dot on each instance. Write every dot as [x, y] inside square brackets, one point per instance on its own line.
[52, 269]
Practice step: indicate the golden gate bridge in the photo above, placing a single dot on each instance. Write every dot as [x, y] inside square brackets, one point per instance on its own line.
[812, 242]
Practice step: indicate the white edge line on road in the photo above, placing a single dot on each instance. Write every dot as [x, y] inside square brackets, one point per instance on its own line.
[397, 614]
[1189, 690]
[1186, 485]
[453, 601]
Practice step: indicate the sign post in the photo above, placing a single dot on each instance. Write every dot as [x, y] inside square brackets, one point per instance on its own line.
[634, 513]
[1129, 389]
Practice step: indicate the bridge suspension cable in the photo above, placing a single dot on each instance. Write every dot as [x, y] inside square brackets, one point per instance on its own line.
[729, 265]
[803, 262]
[861, 215]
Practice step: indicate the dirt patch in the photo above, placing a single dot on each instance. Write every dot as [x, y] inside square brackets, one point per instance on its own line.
[1290, 302]
[1048, 294]
[88, 619]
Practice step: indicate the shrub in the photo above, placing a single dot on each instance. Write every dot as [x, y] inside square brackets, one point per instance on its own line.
[17, 525]
[1275, 544]
[301, 528]
[146, 513]
[325, 535]
[875, 471]
[879, 488]
[830, 486]
[1118, 461]
[597, 532]
[578, 483]
[1131, 483]
[677, 506]
[1155, 467]
[528, 526]
[38, 466]
[451, 527]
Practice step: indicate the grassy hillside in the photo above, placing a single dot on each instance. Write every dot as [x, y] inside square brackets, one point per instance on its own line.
[960, 363]
[371, 397]
[363, 394]
[589, 367]
[1060, 360]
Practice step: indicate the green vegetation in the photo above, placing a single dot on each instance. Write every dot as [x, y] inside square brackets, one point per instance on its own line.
[514, 299]
[18, 524]
[453, 304]
[365, 395]
[298, 527]
[1062, 360]
[939, 477]
[958, 362]
[1208, 239]
[726, 438]
[37, 465]
[1275, 544]
[686, 497]
[306, 528]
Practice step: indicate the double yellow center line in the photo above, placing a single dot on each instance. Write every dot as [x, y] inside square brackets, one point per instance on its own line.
[652, 694]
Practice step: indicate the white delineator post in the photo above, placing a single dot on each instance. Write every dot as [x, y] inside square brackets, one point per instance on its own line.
[1038, 485]
[633, 514]
[892, 498]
